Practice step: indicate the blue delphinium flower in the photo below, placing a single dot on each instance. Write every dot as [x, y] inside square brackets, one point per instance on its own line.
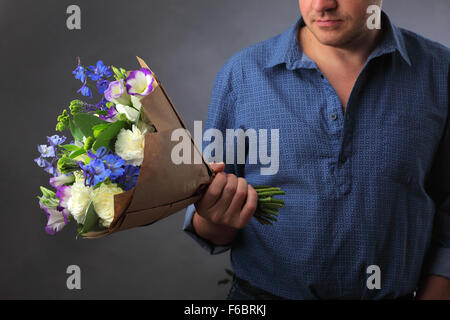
[46, 151]
[56, 140]
[103, 165]
[99, 154]
[129, 178]
[85, 91]
[99, 71]
[49, 166]
[48, 157]
[95, 172]
[80, 73]
[102, 85]
[115, 164]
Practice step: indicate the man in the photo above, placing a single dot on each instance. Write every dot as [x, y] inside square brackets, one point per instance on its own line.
[363, 121]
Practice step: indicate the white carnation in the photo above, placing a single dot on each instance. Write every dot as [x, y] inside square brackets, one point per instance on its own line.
[80, 198]
[131, 113]
[103, 200]
[130, 145]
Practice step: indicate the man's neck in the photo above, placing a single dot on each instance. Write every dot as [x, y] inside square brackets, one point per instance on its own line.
[354, 54]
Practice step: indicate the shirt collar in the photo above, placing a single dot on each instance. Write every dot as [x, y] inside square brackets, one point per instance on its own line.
[287, 48]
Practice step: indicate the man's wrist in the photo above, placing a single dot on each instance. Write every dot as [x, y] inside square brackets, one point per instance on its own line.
[220, 235]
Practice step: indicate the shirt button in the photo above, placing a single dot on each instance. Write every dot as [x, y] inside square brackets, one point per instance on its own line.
[333, 116]
[322, 76]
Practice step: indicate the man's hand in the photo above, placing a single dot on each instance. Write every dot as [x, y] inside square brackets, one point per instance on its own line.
[435, 288]
[228, 201]
[227, 206]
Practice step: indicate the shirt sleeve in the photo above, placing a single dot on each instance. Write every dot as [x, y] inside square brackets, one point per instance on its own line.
[220, 117]
[205, 244]
[438, 257]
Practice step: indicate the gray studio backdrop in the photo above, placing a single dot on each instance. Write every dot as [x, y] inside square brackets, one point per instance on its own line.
[185, 43]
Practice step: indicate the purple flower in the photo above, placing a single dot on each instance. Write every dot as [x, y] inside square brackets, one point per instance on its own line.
[140, 82]
[57, 218]
[61, 179]
[117, 93]
[111, 114]
[63, 193]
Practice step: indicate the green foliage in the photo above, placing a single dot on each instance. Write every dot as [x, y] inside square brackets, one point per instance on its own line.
[66, 164]
[63, 121]
[107, 136]
[119, 73]
[48, 198]
[99, 128]
[76, 132]
[77, 153]
[76, 107]
[91, 221]
[70, 147]
[86, 121]
[88, 143]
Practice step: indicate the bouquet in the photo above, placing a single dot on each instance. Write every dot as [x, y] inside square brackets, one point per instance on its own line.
[116, 171]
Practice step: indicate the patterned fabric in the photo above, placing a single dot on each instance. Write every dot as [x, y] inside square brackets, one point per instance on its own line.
[363, 187]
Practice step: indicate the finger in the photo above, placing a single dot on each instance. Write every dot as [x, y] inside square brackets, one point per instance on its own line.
[233, 211]
[217, 166]
[227, 195]
[249, 207]
[213, 193]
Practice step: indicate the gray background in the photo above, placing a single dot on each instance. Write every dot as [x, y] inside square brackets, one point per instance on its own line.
[185, 43]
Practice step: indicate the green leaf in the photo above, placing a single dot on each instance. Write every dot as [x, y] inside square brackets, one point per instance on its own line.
[76, 132]
[47, 193]
[75, 154]
[91, 221]
[119, 73]
[106, 137]
[86, 121]
[71, 147]
[99, 128]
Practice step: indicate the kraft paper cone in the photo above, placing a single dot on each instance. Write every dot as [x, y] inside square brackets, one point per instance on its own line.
[163, 187]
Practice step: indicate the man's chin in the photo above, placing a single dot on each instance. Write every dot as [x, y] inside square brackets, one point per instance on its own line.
[334, 38]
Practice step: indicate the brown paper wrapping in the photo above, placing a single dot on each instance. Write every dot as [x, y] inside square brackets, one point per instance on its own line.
[162, 188]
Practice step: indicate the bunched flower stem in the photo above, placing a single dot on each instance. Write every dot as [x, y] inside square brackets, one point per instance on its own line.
[267, 211]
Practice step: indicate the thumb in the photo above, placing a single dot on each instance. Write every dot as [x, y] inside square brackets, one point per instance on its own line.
[217, 166]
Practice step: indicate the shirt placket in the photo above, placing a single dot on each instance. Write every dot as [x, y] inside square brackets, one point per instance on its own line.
[341, 133]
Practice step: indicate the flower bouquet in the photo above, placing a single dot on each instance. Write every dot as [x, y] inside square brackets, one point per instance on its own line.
[116, 173]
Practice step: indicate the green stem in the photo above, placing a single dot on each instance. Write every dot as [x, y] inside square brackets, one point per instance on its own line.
[267, 189]
[272, 205]
[272, 193]
[269, 211]
[260, 187]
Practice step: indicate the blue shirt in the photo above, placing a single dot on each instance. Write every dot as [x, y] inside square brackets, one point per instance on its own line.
[366, 186]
